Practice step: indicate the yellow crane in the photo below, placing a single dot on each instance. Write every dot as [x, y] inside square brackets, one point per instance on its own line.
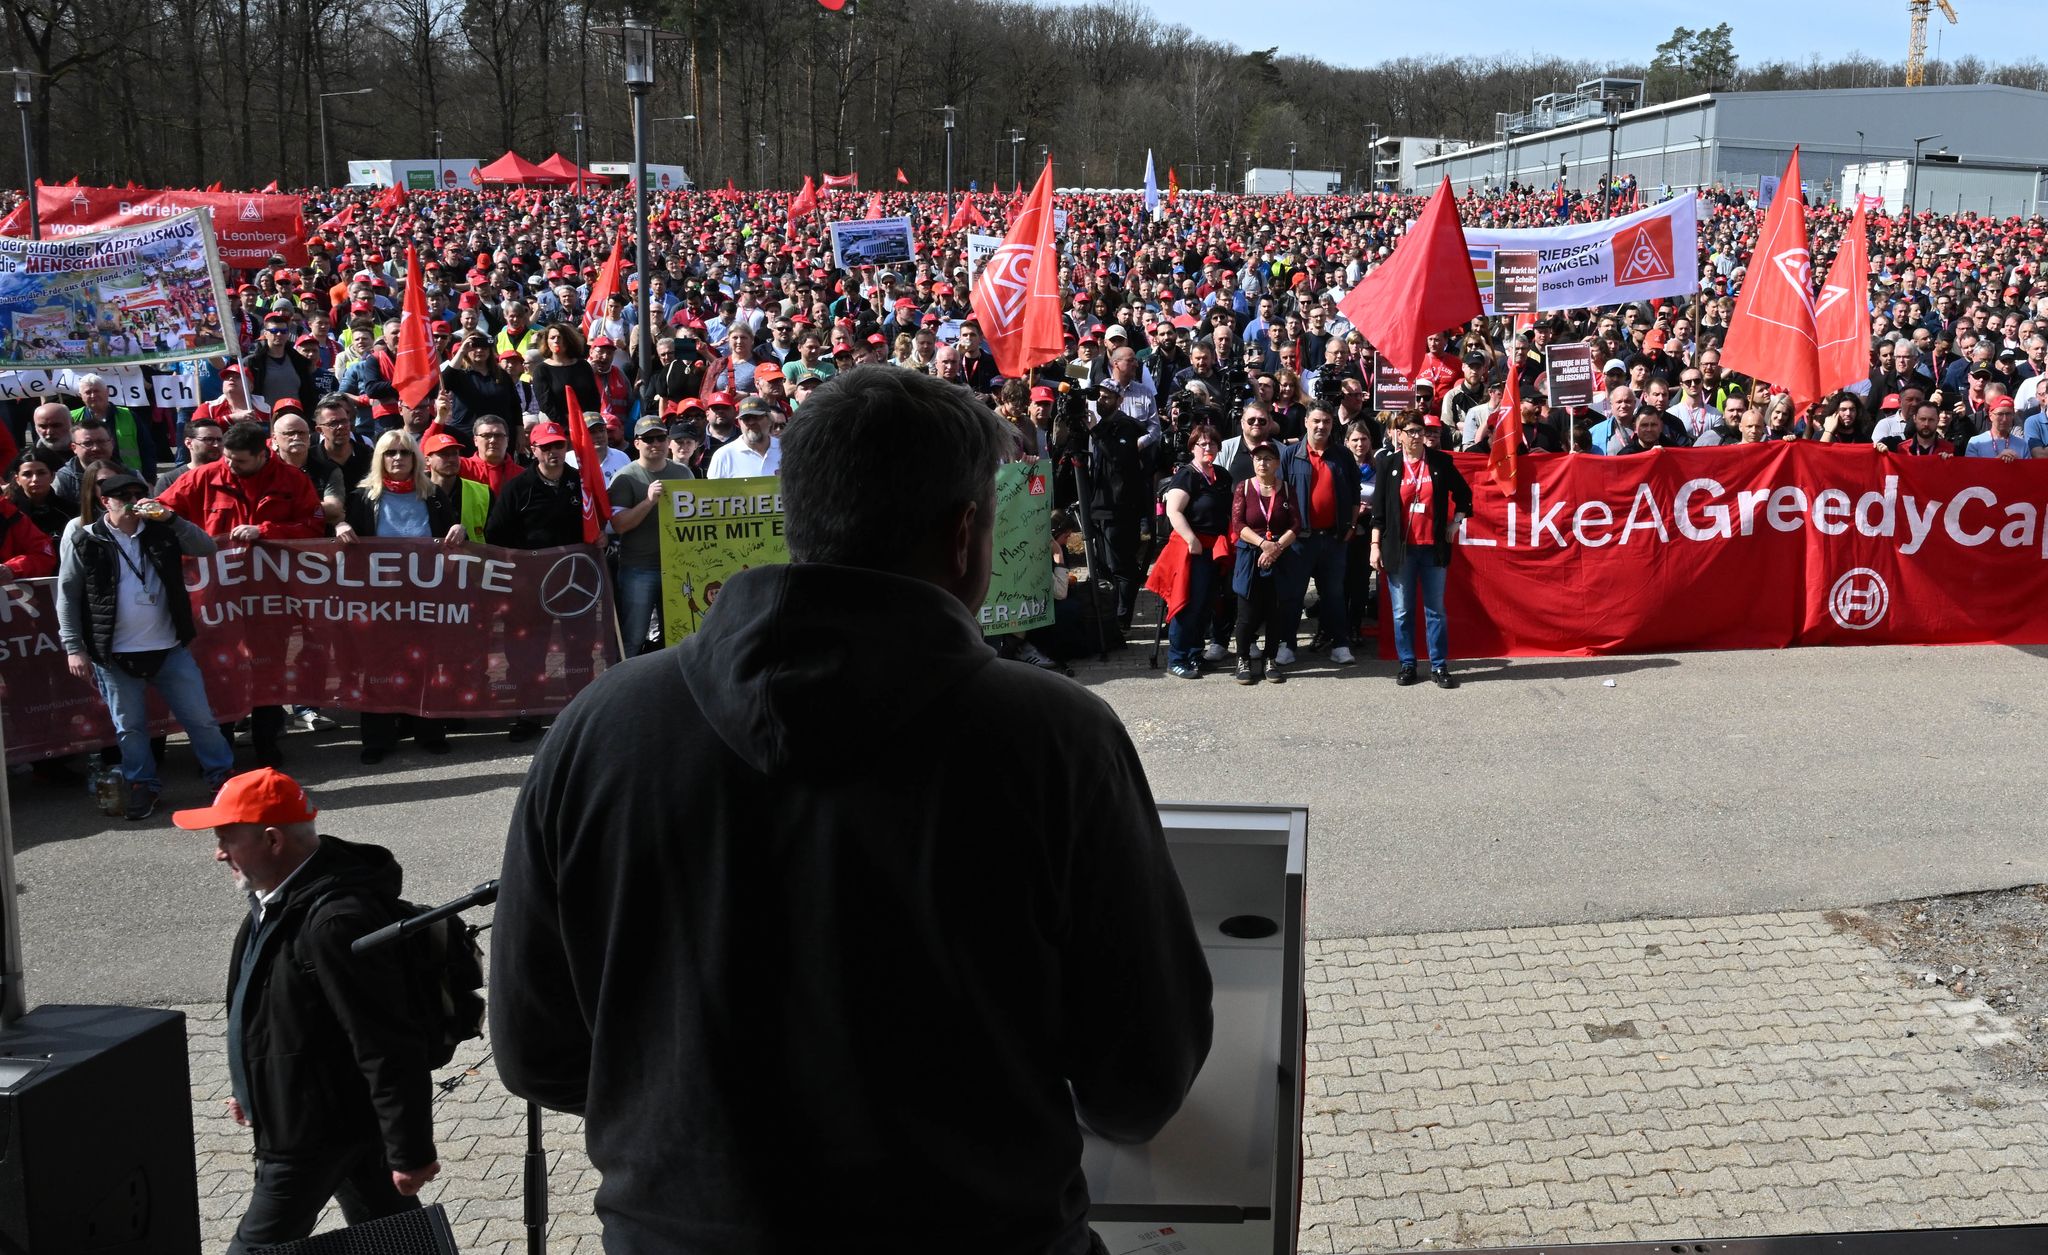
[1916, 49]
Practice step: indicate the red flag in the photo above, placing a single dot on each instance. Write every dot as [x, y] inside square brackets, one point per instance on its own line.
[214, 188]
[1772, 336]
[1426, 286]
[848, 182]
[476, 177]
[1504, 446]
[597, 508]
[1841, 315]
[341, 221]
[967, 216]
[270, 186]
[1017, 293]
[607, 282]
[901, 177]
[391, 198]
[413, 371]
[1172, 186]
[730, 190]
[806, 202]
[874, 205]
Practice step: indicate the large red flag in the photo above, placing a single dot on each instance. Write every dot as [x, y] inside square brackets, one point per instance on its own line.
[597, 506]
[1426, 286]
[874, 205]
[843, 182]
[967, 216]
[413, 371]
[806, 202]
[1017, 294]
[391, 198]
[607, 283]
[1841, 316]
[340, 221]
[1772, 336]
[1504, 445]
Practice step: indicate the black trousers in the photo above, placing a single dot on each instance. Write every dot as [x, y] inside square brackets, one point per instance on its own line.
[290, 1194]
[1118, 539]
[382, 731]
[1263, 611]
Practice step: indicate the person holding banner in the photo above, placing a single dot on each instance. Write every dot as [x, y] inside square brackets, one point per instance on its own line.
[1420, 503]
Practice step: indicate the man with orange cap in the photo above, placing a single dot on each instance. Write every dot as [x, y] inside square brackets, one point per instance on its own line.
[328, 1062]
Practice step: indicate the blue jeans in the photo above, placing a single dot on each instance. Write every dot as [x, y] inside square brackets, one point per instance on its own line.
[639, 599]
[1188, 631]
[1322, 559]
[1420, 571]
[184, 691]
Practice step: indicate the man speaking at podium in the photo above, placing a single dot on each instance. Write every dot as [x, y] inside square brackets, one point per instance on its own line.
[834, 926]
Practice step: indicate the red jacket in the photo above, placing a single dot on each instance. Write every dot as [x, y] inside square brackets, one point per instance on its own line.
[24, 548]
[280, 499]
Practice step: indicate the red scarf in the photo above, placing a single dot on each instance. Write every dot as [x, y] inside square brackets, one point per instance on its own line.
[398, 485]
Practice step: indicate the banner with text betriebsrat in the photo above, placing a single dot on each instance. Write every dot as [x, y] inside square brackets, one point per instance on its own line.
[1652, 253]
[711, 530]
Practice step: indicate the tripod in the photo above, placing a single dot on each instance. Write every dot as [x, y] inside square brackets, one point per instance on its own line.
[535, 1213]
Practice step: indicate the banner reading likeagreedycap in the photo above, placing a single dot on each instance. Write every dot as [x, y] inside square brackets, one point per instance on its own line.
[1651, 253]
[137, 295]
[711, 530]
[249, 226]
[1020, 577]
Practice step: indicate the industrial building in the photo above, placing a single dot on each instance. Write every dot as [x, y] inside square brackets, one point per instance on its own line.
[1978, 147]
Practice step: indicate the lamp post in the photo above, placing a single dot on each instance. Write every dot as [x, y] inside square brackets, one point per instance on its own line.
[576, 125]
[761, 146]
[1613, 106]
[1701, 140]
[852, 167]
[1373, 144]
[326, 167]
[439, 173]
[24, 96]
[948, 111]
[1290, 166]
[1913, 175]
[637, 42]
[1016, 138]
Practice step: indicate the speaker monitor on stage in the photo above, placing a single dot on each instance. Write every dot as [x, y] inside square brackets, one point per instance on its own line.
[421, 1232]
[96, 1134]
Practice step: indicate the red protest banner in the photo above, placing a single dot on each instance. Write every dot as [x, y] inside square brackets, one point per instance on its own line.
[251, 227]
[1749, 547]
[382, 625]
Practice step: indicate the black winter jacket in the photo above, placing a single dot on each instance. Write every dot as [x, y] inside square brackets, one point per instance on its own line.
[1390, 525]
[89, 578]
[323, 1046]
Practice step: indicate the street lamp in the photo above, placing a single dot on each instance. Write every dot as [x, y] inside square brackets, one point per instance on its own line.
[1373, 142]
[948, 111]
[439, 174]
[1701, 140]
[24, 96]
[326, 167]
[1290, 166]
[1913, 175]
[576, 125]
[637, 42]
[1613, 106]
[852, 167]
[1016, 138]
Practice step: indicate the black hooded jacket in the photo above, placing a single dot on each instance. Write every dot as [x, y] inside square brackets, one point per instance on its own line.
[324, 1049]
[845, 923]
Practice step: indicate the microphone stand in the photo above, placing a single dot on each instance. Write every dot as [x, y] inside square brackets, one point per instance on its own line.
[535, 1212]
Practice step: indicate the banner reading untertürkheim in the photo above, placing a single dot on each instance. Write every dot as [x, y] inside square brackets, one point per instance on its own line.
[135, 296]
[1651, 253]
[1020, 577]
[711, 530]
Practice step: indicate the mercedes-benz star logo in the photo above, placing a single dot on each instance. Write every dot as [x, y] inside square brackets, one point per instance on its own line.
[1859, 599]
[571, 587]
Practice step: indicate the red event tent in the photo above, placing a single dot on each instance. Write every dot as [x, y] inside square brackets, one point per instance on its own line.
[560, 165]
[513, 168]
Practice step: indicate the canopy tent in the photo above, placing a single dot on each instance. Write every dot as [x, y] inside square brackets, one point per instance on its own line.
[562, 166]
[513, 168]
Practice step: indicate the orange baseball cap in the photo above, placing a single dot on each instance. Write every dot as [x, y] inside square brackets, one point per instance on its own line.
[265, 796]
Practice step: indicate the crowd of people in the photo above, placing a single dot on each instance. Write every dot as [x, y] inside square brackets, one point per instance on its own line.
[1211, 394]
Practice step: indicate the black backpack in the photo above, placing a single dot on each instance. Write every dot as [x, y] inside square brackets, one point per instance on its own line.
[444, 969]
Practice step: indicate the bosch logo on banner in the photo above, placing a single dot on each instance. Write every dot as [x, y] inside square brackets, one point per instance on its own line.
[1859, 599]
[1643, 253]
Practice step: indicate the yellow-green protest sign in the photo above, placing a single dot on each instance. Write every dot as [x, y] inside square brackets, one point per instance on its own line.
[711, 530]
[1020, 578]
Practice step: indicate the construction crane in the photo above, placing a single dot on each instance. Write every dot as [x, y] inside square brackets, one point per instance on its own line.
[1916, 48]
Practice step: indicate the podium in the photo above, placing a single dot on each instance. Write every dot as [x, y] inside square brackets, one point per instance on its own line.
[1225, 1172]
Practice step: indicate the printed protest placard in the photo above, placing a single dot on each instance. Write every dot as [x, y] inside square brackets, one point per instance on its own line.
[711, 530]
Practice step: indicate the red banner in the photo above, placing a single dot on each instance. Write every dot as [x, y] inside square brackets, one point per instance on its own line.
[383, 625]
[250, 226]
[1748, 547]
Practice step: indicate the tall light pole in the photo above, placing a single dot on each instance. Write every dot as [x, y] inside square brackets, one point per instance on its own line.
[1613, 105]
[1913, 175]
[761, 146]
[326, 167]
[1373, 137]
[1701, 140]
[637, 42]
[852, 168]
[1290, 166]
[1016, 138]
[948, 111]
[439, 173]
[24, 96]
[576, 125]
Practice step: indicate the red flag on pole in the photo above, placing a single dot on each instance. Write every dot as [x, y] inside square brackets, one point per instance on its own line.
[901, 177]
[968, 216]
[1772, 336]
[1426, 286]
[1172, 186]
[215, 187]
[413, 372]
[346, 218]
[843, 182]
[874, 205]
[270, 186]
[1504, 446]
[1017, 293]
[1841, 316]
[597, 509]
[806, 202]
[607, 283]
[391, 198]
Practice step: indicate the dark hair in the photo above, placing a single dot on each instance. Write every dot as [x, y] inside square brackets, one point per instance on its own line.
[203, 420]
[89, 487]
[879, 453]
[1265, 448]
[245, 437]
[573, 346]
[1204, 431]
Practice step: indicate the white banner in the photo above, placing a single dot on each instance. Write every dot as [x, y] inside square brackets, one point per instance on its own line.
[125, 384]
[1651, 253]
[126, 296]
[979, 249]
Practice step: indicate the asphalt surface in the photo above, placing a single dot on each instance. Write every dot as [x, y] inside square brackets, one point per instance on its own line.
[1538, 793]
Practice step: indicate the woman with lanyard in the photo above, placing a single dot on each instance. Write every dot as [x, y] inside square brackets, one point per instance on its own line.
[1266, 521]
[479, 384]
[1198, 507]
[1413, 529]
[398, 499]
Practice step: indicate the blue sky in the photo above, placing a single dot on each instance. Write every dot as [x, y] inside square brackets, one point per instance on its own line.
[1358, 33]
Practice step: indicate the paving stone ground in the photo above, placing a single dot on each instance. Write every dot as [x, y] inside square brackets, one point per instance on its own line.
[1651, 1080]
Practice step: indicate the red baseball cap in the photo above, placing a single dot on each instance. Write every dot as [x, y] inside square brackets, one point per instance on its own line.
[546, 433]
[1043, 393]
[724, 398]
[264, 796]
[438, 441]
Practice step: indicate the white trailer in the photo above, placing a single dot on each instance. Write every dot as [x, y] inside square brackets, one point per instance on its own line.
[1267, 181]
[416, 174]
